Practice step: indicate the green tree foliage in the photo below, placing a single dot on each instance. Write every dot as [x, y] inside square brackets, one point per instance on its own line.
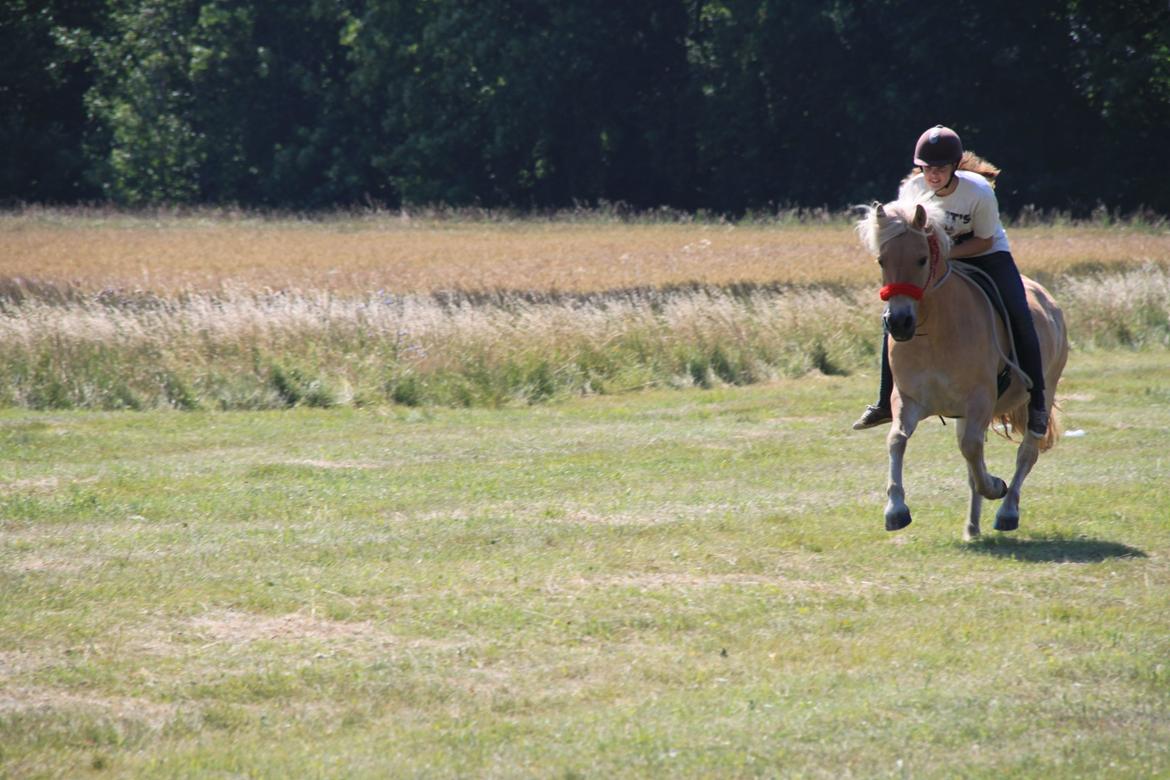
[728, 105]
[528, 102]
[44, 74]
[225, 101]
[1122, 52]
[144, 99]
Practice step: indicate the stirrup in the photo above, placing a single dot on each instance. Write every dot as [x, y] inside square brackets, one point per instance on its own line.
[872, 417]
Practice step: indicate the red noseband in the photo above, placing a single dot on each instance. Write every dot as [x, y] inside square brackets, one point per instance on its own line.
[913, 290]
[890, 290]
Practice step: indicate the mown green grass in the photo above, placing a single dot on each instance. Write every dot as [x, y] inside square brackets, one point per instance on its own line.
[673, 583]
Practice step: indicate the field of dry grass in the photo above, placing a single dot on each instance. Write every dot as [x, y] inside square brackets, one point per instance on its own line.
[353, 256]
[116, 311]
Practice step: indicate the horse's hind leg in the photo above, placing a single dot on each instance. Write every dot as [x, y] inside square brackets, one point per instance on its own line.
[1008, 516]
[974, 510]
[971, 433]
[982, 484]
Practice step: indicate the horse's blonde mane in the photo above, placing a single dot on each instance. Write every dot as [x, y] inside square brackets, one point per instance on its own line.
[897, 217]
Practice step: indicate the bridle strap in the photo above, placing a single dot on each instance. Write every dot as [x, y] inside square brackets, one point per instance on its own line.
[935, 253]
[913, 290]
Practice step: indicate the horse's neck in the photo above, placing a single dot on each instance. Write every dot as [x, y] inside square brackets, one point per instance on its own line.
[960, 304]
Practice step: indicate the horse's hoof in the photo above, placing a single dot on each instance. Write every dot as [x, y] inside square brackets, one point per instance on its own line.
[1007, 522]
[897, 520]
[1001, 492]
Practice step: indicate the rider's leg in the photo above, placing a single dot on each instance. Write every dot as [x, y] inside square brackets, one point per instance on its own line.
[886, 384]
[880, 412]
[1001, 267]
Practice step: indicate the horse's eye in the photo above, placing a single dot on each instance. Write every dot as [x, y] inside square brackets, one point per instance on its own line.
[882, 262]
[922, 262]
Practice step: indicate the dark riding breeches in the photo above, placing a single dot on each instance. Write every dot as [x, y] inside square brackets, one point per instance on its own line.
[1001, 267]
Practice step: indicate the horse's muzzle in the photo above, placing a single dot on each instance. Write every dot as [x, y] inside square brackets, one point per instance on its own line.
[900, 324]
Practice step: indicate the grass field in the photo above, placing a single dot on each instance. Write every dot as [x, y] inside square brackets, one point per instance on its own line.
[688, 583]
[356, 256]
[108, 311]
[559, 498]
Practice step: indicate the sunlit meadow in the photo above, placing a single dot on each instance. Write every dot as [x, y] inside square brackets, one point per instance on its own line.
[490, 557]
[102, 310]
[683, 583]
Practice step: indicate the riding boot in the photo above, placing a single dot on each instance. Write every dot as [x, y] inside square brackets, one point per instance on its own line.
[1028, 354]
[1037, 412]
[879, 413]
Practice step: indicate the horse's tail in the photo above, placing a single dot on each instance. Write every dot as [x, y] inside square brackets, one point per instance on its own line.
[1017, 420]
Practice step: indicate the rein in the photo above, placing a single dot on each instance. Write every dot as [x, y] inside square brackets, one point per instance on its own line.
[913, 290]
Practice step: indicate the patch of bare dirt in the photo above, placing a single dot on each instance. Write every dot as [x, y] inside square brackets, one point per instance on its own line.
[53, 564]
[235, 627]
[40, 484]
[318, 463]
[51, 701]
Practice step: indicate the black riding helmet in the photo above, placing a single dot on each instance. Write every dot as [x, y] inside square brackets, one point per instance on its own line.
[938, 146]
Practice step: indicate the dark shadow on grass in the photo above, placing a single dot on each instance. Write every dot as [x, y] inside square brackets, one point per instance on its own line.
[1054, 549]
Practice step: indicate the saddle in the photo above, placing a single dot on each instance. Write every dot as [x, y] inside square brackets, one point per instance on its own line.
[984, 284]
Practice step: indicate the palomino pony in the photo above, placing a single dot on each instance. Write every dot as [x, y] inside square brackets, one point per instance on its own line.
[948, 348]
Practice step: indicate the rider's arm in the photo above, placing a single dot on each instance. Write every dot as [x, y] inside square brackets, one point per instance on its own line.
[971, 247]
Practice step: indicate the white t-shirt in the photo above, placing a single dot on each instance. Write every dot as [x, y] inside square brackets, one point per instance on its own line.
[971, 210]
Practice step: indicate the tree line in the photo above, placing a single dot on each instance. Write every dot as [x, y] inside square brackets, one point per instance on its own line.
[730, 106]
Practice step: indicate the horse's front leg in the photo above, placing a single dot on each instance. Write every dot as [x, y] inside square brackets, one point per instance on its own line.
[906, 417]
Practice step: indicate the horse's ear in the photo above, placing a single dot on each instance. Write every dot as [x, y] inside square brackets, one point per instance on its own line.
[879, 209]
[919, 217]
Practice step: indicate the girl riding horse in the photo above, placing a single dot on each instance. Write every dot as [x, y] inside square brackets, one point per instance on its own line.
[962, 184]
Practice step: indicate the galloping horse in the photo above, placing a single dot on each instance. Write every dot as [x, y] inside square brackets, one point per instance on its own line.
[948, 347]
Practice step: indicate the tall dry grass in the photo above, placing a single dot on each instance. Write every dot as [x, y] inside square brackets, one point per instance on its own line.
[248, 350]
[255, 314]
[174, 255]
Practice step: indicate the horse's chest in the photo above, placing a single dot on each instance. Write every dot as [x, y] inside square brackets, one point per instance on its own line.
[936, 381]
[932, 388]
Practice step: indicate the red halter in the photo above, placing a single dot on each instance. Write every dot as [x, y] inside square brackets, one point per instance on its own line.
[913, 290]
